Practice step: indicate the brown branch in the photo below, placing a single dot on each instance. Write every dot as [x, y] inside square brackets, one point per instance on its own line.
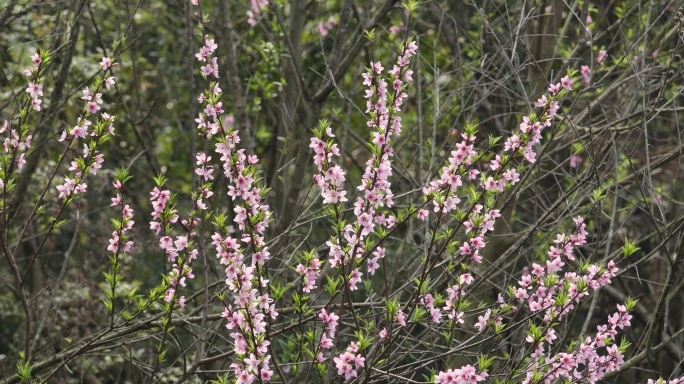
[242, 122]
[359, 42]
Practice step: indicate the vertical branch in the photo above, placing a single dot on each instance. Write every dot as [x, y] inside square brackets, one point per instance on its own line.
[340, 37]
[21, 294]
[192, 110]
[298, 115]
[241, 116]
[542, 45]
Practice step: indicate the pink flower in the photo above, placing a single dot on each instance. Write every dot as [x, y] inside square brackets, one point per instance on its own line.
[330, 23]
[377, 67]
[586, 74]
[165, 242]
[79, 131]
[422, 214]
[326, 342]
[372, 265]
[155, 226]
[106, 63]
[92, 107]
[36, 59]
[542, 102]
[412, 48]
[127, 212]
[34, 90]
[601, 56]
[168, 297]
[21, 161]
[266, 374]
[566, 83]
[575, 160]
[35, 103]
[512, 143]
[322, 30]
[554, 88]
[181, 243]
[383, 333]
[109, 82]
[367, 78]
[401, 318]
[251, 19]
[482, 320]
[408, 75]
[113, 243]
[354, 278]
[66, 188]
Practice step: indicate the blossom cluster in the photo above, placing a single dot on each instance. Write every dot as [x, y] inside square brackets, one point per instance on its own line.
[18, 141]
[349, 362]
[323, 27]
[464, 375]
[479, 219]
[309, 273]
[180, 252]
[567, 364]
[383, 104]
[662, 381]
[118, 243]
[256, 8]
[33, 89]
[330, 177]
[543, 290]
[165, 214]
[247, 315]
[91, 159]
[178, 275]
[16, 146]
[444, 189]
[395, 29]
[453, 304]
[326, 341]
[541, 277]
[428, 301]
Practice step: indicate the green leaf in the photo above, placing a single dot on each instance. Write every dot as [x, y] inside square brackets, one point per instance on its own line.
[629, 248]
[24, 371]
[410, 5]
